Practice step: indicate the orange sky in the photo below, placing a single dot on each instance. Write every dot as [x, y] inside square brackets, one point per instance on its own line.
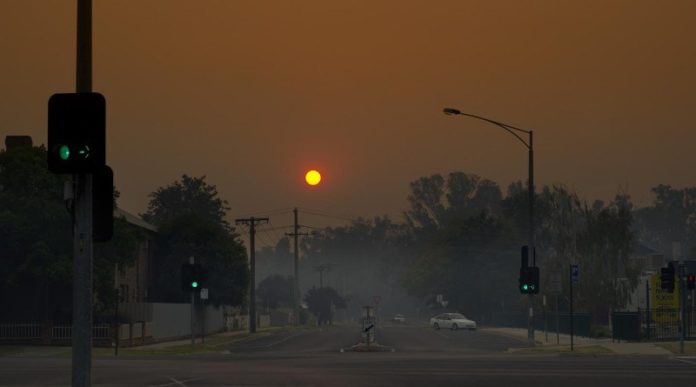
[252, 93]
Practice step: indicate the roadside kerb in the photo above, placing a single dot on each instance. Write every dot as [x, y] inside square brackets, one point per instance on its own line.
[620, 348]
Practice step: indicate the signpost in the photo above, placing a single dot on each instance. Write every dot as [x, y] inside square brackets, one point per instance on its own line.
[368, 324]
[204, 297]
[574, 275]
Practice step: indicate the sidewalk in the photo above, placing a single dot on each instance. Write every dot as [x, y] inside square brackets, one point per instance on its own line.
[563, 343]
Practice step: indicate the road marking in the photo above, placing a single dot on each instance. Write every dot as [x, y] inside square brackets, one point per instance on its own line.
[276, 342]
[684, 360]
[175, 382]
[442, 334]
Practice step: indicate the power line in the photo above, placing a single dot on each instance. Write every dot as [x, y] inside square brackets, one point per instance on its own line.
[319, 213]
[271, 212]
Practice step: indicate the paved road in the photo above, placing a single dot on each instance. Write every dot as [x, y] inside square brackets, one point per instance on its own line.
[422, 357]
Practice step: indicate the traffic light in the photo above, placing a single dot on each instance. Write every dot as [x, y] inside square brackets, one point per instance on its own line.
[103, 204]
[529, 280]
[690, 279]
[192, 277]
[667, 278]
[76, 133]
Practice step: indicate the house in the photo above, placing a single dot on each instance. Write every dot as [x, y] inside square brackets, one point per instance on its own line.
[133, 281]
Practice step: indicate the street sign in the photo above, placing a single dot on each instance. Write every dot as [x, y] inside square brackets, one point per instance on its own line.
[204, 293]
[664, 304]
[574, 273]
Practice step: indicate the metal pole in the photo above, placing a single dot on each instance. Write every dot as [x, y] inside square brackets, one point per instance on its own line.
[297, 277]
[570, 277]
[558, 337]
[530, 322]
[203, 323]
[82, 226]
[193, 324]
[252, 291]
[117, 322]
[192, 260]
[647, 307]
[682, 290]
[546, 323]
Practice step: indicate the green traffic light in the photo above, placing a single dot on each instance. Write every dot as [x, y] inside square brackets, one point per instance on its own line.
[525, 287]
[84, 152]
[64, 152]
[194, 284]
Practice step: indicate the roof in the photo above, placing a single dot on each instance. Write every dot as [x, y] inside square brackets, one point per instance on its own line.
[134, 220]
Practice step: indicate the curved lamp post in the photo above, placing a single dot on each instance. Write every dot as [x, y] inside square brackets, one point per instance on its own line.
[529, 144]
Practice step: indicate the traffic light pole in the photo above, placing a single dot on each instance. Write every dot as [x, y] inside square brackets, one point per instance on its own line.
[530, 323]
[252, 269]
[529, 144]
[82, 224]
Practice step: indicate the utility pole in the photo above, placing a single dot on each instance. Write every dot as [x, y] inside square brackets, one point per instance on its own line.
[82, 223]
[297, 295]
[252, 246]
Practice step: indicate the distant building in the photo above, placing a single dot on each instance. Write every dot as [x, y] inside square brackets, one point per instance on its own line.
[133, 282]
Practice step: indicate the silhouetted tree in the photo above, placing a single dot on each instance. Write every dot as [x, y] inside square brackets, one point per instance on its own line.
[322, 301]
[276, 291]
[190, 220]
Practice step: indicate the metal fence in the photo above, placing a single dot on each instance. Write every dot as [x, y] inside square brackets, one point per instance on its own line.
[653, 324]
[23, 331]
[665, 324]
[57, 332]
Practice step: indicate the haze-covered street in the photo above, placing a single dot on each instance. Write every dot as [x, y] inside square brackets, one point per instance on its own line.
[422, 357]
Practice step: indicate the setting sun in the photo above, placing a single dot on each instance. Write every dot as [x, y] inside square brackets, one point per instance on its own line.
[313, 177]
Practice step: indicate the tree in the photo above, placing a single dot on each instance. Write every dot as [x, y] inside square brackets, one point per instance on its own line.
[190, 219]
[35, 235]
[191, 195]
[670, 218]
[322, 301]
[36, 241]
[276, 291]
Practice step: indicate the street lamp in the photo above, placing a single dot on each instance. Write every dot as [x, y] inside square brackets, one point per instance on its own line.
[529, 144]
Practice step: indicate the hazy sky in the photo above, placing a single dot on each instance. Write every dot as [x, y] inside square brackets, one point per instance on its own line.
[252, 93]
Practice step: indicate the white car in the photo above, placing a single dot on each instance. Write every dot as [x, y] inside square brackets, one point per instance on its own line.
[452, 321]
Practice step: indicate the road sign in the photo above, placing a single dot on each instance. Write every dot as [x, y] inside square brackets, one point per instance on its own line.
[574, 273]
[664, 304]
[204, 293]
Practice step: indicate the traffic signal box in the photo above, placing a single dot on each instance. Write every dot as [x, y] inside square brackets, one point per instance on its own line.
[529, 275]
[76, 133]
[529, 280]
[77, 145]
[667, 278]
[192, 277]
